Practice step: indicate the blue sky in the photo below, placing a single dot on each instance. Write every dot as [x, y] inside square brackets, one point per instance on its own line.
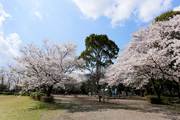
[24, 21]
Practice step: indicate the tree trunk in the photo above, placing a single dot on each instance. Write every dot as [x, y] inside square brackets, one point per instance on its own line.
[170, 90]
[100, 98]
[155, 88]
[110, 93]
[179, 94]
[142, 92]
[178, 89]
[171, 93]
[2, 84]
[49, 91]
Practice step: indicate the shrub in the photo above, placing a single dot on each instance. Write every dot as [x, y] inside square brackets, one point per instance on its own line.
[32, 95]
[47, 99]
[154, 100]
[7, 93]
[24, 93]
[167, 100]
[36, 95]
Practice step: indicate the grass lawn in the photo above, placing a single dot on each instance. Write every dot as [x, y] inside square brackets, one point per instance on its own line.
[19, 108]
[25, 108]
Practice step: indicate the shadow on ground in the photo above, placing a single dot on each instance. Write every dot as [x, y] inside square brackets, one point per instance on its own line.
[85, 104]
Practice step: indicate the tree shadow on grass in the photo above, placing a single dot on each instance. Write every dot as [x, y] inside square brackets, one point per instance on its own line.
[40, 106]
[53, 106]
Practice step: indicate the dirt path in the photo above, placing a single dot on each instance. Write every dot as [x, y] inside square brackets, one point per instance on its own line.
[114, 109]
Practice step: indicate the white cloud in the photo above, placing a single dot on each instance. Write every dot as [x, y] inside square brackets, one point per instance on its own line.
[121, 10]
[37, 3]
[94, 8]
[3, 15]
[177, 8]
[37, 14]
[9, 44]
[148, 9]
[9, 48]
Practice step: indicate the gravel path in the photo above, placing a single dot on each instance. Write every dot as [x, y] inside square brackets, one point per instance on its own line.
[114, 109]
[110, 114]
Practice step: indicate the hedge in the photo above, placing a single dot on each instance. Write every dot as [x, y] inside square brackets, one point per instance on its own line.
[154, 99]
[7, 93]
[36, 95]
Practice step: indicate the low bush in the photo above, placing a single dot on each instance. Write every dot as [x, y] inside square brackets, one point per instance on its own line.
[7, 93]
[24, 94]
[154, 100]
[36, 95]
[167, 100]
[39, 95]
[164, 100]
[32, 95]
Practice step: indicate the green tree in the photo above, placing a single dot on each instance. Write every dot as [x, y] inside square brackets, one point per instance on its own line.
[98, 55]
[166, 16]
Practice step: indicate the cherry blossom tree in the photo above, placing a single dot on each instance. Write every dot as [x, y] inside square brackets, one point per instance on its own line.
[152, 54]
[8, 79]
[48, 66]
[2, 79]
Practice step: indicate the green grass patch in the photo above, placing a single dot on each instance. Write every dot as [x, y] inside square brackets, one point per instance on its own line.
[24, 108]
[19, 108]
[40, 106]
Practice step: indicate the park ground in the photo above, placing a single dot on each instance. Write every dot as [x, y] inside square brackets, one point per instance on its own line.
[84, 107]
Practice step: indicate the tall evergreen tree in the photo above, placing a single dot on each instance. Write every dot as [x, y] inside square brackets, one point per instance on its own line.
[98, 55]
